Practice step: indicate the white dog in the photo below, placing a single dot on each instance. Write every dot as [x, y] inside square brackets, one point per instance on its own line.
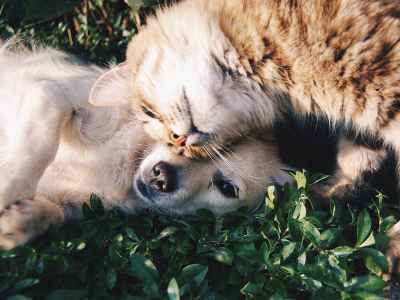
[56, 149]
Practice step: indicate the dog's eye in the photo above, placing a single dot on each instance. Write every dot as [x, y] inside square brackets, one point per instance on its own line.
[227, 188]
[149, 113]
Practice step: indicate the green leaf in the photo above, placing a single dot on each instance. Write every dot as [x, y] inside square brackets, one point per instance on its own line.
[367, 296]
[311, 232]
[270, 198]
[250, 289]
[264, 253]
[375, 260]
[302, 258]
[343, 251]
[300, 211]
[387, 223]
[363, 226]
[173, 290]
[222, 255]
[287, 250]
[143, 268]
[336, 270]
[111, 279]
[166, 233]
[295, 229]
[115, 256]
[66, 294]
[191, 275]
[132, 235]
[96, 205]
[25, 284]
[88, 213]
[329, 237]
[366, 283]
[300, 179]
[369, 241]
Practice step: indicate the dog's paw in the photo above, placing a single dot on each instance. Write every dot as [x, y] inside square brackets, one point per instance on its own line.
[26, 219]
[11, 192]
[17, 223]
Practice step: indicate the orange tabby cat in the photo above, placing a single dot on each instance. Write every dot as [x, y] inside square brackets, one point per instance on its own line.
[209, 71]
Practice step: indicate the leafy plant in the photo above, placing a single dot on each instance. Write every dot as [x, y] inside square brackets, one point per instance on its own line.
[288, 250]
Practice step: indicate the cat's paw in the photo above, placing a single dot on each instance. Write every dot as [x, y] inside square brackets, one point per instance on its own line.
[334, 187]
[26, 219]
[393, 251]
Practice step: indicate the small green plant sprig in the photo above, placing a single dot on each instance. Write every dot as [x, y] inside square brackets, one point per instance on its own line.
[290, 249]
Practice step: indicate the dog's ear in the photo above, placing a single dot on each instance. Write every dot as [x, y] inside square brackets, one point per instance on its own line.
[113, 87]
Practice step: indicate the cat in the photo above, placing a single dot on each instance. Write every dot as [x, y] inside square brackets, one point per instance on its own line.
[208, 72]
[57, 149]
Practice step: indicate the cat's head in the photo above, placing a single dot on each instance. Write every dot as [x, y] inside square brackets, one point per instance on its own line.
[189, 87]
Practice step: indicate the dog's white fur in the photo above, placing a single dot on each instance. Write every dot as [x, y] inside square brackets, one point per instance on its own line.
[57, 149]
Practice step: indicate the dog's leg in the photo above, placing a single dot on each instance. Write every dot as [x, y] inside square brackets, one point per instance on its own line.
[32, 141]
[26, 219]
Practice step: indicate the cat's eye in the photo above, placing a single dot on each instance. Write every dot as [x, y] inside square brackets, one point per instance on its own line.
[175, 136]
[227, 188]
[148, 112]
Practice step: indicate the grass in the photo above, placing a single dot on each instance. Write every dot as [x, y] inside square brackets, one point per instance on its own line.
[291, 249]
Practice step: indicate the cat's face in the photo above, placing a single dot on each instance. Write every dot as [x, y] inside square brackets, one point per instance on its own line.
[193, 99]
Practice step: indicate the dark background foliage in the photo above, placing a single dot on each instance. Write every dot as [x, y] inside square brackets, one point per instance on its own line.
[94, 29]
[292, 249]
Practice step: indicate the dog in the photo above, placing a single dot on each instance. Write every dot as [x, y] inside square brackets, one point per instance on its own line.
[56, 149]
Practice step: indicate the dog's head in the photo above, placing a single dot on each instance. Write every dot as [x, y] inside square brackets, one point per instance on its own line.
[173, 184]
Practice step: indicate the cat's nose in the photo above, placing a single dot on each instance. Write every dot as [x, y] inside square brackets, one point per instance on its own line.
[193, 138]
[162, 178]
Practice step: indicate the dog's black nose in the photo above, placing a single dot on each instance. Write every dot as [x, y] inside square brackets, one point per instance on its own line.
[162, 178]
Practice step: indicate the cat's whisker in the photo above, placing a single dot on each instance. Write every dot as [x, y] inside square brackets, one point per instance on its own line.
[226, 161]
[224, 150]
[209, 154]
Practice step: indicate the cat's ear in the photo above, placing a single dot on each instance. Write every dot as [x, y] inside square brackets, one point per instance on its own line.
[113, 87]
